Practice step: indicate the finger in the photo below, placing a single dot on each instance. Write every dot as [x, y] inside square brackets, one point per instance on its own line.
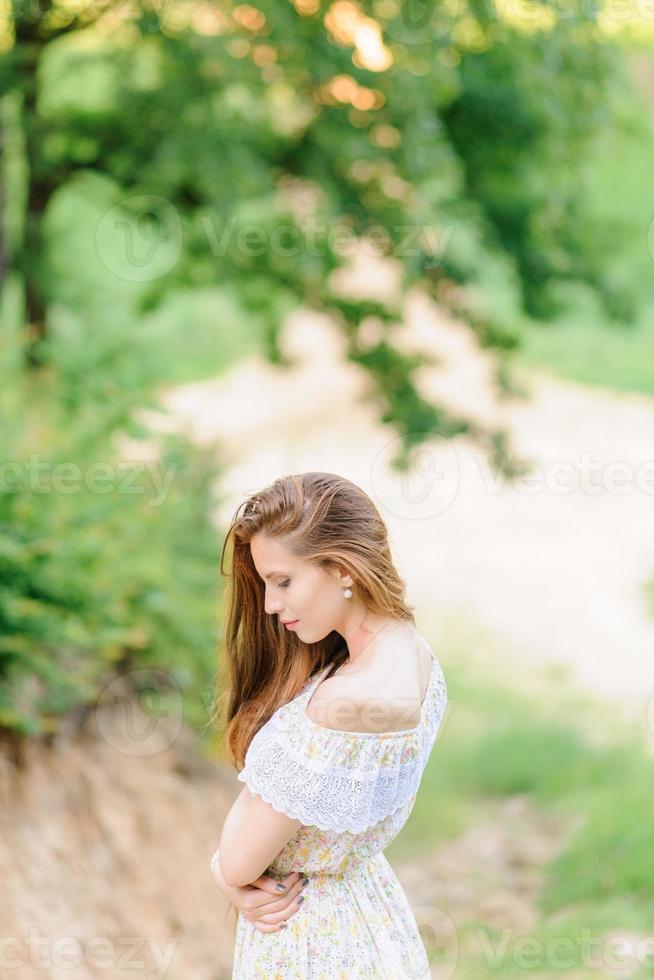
[279, 918]
[269, 885]
[262, 927]
[260, 903]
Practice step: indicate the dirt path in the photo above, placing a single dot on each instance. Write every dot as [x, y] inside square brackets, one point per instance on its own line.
[477, 902]
[483, 885]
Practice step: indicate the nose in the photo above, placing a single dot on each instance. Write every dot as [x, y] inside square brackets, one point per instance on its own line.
[272, 605]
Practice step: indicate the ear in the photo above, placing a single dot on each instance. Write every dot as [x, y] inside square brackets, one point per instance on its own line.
[341, 574]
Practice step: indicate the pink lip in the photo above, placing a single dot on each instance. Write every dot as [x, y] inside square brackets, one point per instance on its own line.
[293, 623]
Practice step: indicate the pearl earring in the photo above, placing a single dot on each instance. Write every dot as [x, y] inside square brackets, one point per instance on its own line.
[347, 593]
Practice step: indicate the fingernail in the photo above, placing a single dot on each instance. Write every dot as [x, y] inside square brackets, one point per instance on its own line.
[280, 887]
[283, 925]
[300, 899]
[305, 881]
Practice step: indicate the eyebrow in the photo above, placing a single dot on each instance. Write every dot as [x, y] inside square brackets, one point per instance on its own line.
[270, 574]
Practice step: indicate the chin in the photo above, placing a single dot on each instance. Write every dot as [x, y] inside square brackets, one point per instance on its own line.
[316, 638]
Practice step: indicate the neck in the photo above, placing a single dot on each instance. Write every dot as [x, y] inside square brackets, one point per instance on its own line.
[359, 629]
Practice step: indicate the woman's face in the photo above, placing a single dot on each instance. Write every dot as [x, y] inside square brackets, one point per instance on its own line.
[298, 590]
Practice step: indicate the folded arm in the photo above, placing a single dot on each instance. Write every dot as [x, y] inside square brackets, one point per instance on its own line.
[252, 836]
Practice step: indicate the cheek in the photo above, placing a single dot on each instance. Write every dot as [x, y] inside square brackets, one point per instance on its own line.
[302, 596]
[310, 595]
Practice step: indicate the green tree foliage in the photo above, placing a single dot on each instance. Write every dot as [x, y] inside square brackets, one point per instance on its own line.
[524, 141]
[242, 148]
[108, 563]
[271, 132]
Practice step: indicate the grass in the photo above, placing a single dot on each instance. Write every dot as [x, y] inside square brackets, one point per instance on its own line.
[572, 758]
[595, 354]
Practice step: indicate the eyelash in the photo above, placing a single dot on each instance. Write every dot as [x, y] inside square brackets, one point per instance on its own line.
[284, 585]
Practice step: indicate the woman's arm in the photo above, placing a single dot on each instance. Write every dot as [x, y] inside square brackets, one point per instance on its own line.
[252, 836]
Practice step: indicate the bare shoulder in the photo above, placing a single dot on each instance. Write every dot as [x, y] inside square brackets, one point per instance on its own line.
[383, 694]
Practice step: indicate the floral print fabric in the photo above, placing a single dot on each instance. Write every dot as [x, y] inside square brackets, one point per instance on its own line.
[353, 792]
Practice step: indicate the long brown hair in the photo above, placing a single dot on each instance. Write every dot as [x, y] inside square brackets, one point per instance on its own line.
[319, 517]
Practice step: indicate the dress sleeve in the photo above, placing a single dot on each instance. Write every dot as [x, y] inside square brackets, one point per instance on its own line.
[338, 780]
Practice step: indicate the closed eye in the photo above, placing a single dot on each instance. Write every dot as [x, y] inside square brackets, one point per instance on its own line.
[284, 585]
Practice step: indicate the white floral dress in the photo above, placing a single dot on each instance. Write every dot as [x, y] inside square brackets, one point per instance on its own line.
[353, 792]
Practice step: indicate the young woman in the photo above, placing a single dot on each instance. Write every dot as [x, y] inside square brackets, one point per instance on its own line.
[332, 702]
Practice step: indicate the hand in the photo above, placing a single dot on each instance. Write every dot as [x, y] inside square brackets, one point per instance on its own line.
[261, 902]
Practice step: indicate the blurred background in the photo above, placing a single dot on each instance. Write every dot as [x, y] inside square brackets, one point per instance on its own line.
[407, 242]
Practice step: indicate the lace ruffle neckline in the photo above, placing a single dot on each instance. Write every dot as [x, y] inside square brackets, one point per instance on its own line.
[340, 780]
